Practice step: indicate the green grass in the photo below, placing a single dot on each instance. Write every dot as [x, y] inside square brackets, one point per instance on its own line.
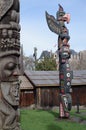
[48, 120]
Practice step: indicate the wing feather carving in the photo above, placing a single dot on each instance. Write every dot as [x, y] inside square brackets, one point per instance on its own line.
[52, 23]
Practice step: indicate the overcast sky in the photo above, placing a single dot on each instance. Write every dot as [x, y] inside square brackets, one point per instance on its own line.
[34, 29]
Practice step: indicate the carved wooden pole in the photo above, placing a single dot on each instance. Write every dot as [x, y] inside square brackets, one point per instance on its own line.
[65, 74]
[9, 64]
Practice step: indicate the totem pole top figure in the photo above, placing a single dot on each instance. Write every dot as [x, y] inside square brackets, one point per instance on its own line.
[9, 27]
[6, 6]
[57, 25]
[62, 16]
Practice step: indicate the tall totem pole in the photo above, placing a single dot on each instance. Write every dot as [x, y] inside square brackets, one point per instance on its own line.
[65, 74]
[9, 64]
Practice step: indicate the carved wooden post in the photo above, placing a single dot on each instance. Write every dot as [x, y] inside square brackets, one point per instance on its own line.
[9, 64]
[65, 74]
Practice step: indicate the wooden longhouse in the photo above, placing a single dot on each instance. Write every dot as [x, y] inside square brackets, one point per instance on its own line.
[42, 88]
[26, 92]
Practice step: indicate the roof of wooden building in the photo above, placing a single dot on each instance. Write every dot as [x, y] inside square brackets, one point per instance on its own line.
[51, 78]
[25, 83]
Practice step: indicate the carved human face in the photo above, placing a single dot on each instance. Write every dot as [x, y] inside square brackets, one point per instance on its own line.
[9, 68]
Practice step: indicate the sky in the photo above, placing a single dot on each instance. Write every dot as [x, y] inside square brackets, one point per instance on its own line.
[35, 31]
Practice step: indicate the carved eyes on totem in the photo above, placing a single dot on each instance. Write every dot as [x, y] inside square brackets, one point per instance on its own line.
[11, 66]
[9, 69]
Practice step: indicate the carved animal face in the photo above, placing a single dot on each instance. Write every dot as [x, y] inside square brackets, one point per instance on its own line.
[9, 68]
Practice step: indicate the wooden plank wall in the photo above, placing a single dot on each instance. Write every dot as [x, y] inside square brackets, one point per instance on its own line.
[79, 95]
[26, 98]
[50, 96]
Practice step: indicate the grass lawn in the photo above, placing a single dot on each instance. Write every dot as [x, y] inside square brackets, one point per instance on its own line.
[48, 120]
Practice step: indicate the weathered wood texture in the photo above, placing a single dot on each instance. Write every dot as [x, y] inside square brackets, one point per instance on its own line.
[26, 98]
[48, 96]
[79, 95]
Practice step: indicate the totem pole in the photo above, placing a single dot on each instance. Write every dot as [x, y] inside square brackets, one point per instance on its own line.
[65, 74]
[9, 64]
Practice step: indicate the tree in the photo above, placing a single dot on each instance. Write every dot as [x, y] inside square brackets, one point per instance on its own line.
[46, 64]
[78, 61]
[75, 64]
[28, 63]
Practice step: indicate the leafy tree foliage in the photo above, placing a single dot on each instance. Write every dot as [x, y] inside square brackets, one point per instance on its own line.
[46, 64]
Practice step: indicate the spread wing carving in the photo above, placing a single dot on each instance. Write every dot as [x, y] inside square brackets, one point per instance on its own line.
[52, 24]
[5, 5]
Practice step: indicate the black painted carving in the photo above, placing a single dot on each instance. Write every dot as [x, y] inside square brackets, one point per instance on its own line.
[57, 25]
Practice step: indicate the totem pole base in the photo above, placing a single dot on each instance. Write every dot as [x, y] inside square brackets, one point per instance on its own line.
[62, 113]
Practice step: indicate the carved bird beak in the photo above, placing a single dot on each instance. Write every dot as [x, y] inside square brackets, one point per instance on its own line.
[67, 17]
